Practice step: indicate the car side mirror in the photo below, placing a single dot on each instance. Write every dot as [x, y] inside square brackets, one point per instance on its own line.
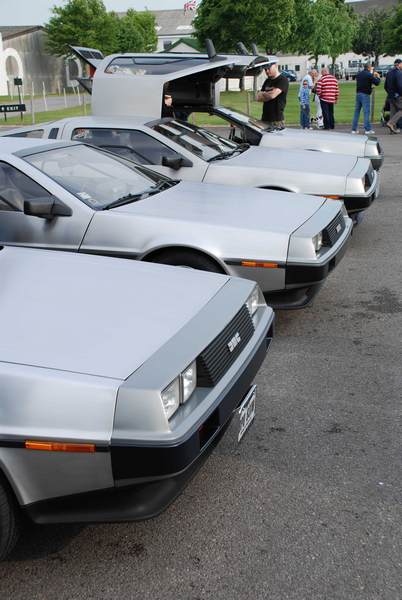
[176, 163]
[46, 207]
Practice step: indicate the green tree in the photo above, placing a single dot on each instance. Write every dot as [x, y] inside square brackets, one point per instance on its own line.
[343, 28]
[323, 27]
[227, 22]
[369, 39]
[393, 31]
[136, 32]
[81, 23]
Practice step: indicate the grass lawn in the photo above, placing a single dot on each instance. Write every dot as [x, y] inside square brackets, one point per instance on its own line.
[343, 110]
[238, 101]
[43, 117]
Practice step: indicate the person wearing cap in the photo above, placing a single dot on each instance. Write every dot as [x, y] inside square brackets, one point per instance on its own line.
[365, 80]
[393, 87]
[273, 94]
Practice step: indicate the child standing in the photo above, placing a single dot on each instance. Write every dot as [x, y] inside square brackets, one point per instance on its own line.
[304, 99]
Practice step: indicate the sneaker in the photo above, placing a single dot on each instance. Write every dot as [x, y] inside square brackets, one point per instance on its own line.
[392, 128]
[369, 132]
[354, 131]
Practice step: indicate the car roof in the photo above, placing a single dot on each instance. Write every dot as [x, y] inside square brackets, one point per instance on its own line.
[14, 145]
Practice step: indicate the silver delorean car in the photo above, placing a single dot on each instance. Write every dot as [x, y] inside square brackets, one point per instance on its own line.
[74, 197]
[182, 150]
[110, 399]
[190, 78]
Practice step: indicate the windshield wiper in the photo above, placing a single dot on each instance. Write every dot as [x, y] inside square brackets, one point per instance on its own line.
[229, 153]
[158, 187]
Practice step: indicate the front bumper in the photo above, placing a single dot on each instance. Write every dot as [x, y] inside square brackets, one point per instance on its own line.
[355, 204]
[378, 159]
[303, 282]
[148, 478]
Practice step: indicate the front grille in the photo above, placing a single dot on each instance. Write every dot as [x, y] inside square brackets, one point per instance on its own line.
[334, 230]
[216, 359]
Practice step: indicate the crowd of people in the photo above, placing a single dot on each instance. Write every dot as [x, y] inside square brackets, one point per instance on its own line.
[324, 89]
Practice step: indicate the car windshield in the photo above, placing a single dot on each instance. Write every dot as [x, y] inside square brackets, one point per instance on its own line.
[241, 117]
[197, 140]
[96, 177]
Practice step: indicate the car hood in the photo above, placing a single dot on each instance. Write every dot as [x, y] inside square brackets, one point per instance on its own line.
[344, 143]
[93, 315]
[228, 206]
[300, 161]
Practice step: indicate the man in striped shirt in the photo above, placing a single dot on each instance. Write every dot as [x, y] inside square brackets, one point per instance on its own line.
[328, 93]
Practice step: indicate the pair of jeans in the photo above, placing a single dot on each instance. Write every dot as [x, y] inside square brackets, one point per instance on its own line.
[362, 101]
[305, 116]
[328, 114]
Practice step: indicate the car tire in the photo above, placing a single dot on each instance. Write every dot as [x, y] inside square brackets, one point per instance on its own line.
[187, 258]
[10, 521]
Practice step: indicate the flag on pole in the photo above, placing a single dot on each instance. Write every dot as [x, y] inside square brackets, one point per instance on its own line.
[190, 5]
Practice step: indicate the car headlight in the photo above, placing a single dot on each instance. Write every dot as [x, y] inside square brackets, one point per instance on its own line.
[180, 390]
[253, 300]
[317, 241]
[344, 211]
[189, 381]
[171, 397]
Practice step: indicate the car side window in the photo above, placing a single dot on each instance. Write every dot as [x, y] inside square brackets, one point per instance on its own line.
[15, 187]
[132, 144]
[35, 133]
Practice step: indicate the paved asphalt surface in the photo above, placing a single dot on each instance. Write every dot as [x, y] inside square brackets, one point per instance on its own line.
[308, 506]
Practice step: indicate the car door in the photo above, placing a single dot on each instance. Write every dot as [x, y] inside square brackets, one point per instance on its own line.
[18, 184]
[142, 147]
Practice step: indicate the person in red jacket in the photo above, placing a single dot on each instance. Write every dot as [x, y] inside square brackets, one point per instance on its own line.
[328, 93]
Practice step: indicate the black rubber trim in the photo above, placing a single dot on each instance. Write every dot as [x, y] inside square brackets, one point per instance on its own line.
[292, 299]
[311, 275]
[356, 204]
[131, 503]
[377, 162]
[178, 464]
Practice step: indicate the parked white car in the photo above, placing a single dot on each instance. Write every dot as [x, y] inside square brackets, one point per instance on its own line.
[181, 150]
[69, 196]
[110, 399]
[134, 84]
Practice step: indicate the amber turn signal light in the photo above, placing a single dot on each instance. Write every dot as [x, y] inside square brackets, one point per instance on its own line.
[59, 446]
[254, 263]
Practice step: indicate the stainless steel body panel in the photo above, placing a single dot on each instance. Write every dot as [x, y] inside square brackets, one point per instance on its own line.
[227, 223]
[182, 349]
[294, 170]
[74, 293]
[46, 394]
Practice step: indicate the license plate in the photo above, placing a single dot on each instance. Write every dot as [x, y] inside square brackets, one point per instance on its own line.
[246, 412]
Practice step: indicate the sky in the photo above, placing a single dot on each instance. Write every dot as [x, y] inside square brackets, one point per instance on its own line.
[37, 12]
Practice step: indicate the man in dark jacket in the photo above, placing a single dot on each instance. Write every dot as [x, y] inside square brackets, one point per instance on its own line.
[393, 87]
[364, 83]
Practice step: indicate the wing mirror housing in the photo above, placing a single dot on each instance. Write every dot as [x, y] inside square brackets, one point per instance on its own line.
[176, 162]
[47, 207]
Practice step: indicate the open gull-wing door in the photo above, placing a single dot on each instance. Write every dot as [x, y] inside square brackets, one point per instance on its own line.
[135, 84]
[92, 57]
